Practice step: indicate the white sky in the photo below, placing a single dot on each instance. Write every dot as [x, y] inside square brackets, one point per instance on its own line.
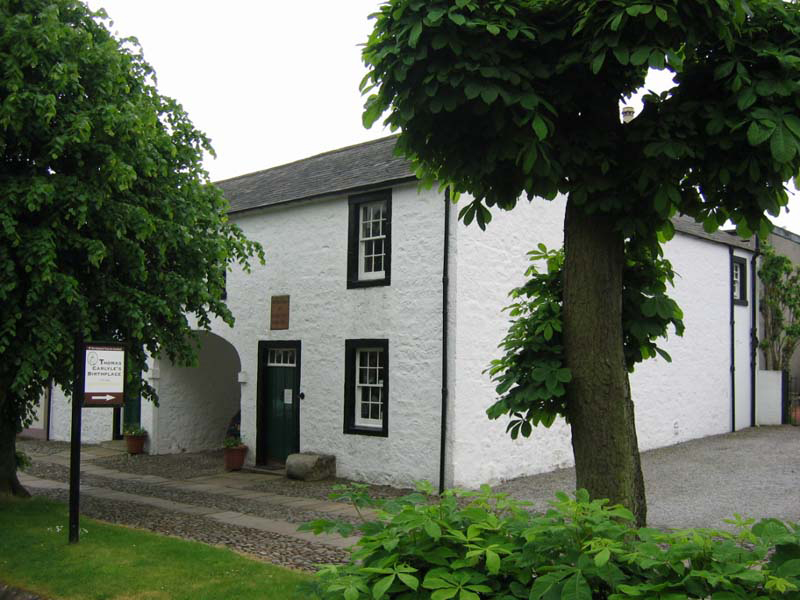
[269, 81]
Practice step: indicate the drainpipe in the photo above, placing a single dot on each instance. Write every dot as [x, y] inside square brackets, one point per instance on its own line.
[753, 333]
[445, 285]
[733, 341]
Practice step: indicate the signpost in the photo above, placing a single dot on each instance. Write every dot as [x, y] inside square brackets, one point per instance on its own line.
[104, 375]
[99, 381]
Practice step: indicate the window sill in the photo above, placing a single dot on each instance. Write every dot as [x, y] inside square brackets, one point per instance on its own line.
[372, 431]
[362, 283]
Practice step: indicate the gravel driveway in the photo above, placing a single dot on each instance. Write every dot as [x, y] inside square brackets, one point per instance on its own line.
[754, 472]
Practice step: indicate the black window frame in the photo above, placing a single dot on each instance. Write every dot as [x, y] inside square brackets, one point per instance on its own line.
[350, 348]
[742, 262]
[354, 222]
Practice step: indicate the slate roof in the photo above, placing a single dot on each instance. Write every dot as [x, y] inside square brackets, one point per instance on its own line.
[361, 167]
[689, 226]
[346, 170]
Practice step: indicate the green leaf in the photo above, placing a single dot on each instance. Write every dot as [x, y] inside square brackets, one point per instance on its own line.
[597, 63]
[782, 145]
[546, 586]
[746, 98]
[489, 94]
[444, 594]
[433, 530]
[457, 18]
[602, 557]
[381, 586]
[662, 14]
[492, 562]
[413, 37]
[758, 134]
[622, 55]
[540, 128]
[615, 22]
[493, 29]
[640, 56]
[793, 124]
[576, 588]
[409, 580]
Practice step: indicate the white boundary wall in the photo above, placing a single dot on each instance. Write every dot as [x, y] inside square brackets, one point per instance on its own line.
[96, 423]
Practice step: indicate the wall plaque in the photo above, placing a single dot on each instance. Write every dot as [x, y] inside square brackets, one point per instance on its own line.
[279, 313]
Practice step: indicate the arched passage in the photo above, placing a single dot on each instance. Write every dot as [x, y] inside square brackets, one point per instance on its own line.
[196, 404]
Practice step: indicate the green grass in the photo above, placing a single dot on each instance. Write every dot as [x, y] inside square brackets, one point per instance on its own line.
[113, 562]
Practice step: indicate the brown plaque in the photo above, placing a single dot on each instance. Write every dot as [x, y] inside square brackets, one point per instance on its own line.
[279, 313]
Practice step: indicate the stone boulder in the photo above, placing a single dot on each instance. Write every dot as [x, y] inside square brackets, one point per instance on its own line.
[306, 466]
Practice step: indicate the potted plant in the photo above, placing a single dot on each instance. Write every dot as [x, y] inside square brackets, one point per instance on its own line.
[234, 451]
[135, 437]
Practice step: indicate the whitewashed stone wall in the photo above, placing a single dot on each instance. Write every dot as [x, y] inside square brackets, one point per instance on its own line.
[487, 265]
[690, 397]
[686, 399]
[306, 248]
[96, 423]
[195, 403]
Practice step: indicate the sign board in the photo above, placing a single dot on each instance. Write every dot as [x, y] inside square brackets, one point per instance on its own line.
[279, 312]
[104, 375]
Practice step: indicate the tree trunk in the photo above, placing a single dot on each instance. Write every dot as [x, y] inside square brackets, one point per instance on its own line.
[9, 484]
[600, 407]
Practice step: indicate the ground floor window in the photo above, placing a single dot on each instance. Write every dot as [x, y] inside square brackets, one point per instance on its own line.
[366, 399]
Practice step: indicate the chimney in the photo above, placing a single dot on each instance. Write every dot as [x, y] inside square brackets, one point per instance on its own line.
[627, 114]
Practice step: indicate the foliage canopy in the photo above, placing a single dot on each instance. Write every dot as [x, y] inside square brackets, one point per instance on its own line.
[531, 375]
[109, 226]
[509, 97]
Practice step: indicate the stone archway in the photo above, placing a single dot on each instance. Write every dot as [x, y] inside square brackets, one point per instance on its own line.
[196, 404]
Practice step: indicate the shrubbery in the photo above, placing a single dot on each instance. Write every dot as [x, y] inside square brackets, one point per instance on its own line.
[474, 545]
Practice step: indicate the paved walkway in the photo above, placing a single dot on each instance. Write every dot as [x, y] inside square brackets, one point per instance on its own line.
[231, 484]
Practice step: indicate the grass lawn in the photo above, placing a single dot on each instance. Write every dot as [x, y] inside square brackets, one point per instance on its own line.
[113, 562]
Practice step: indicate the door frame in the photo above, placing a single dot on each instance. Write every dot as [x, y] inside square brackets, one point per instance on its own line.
[261, 415]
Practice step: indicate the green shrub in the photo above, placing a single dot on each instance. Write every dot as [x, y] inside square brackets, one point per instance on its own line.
[22, 460]
[134, 430]
[474, 545]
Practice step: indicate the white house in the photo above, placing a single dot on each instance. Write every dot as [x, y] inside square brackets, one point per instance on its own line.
[367, 333]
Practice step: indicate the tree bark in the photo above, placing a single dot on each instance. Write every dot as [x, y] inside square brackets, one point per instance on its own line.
[600, 406]
[9, 484]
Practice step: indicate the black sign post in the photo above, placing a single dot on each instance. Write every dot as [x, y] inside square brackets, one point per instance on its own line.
[75, 439]
[99, 380]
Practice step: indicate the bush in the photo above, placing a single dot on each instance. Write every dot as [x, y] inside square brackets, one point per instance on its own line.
[134, 431]
[474, 545]
[22, 460]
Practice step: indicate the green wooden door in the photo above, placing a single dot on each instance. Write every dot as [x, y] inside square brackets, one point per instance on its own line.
[278, 403]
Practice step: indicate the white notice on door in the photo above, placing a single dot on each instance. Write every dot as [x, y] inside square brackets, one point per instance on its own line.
[287, 396]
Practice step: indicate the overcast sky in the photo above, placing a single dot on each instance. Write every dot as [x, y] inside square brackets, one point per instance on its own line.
[269, 81]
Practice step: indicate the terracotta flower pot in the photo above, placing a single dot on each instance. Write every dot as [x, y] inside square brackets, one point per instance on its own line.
[135, 443]
[234, 457]
[794, 415]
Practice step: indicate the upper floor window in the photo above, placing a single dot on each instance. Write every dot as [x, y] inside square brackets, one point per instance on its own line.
[369, 243]
[739, 280]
